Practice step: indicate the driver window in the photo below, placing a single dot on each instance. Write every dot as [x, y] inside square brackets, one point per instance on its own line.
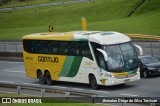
[101, 61]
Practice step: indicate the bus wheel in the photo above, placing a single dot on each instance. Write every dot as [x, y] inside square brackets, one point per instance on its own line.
[93, 82]
[48, 78]
[41, 78]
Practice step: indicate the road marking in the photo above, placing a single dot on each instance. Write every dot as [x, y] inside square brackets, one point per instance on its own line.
[30, 84]
[78, 89]
[58, 87]
[8, 92]
[13, 71]
[10, 62]
[7, 81]
[129, 94]
[99, 91]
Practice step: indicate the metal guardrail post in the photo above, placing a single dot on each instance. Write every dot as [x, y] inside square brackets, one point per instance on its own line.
[152, 104]
[67, 94]
[93, 98]
[5, 47]
[18, 89]
[16, 44]
[42, 92]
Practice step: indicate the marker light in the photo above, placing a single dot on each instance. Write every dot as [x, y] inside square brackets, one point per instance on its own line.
[113, 82]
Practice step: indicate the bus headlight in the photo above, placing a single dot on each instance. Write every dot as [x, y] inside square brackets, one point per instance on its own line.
[113, 82]
[109, 75]
[112, 75]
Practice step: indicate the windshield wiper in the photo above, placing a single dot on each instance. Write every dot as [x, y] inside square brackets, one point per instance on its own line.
[122, 61]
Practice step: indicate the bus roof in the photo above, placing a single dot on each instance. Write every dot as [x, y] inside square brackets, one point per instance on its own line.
[100, 37]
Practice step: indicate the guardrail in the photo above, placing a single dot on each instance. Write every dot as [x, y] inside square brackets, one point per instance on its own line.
[70, 94]
[43, 5]
[51, 89]
[141, 36]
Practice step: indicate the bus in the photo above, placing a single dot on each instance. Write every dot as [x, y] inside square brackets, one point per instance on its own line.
[90, 57]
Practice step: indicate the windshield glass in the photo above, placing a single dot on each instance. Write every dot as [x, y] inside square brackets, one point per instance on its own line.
[121, 57]
[148, 60]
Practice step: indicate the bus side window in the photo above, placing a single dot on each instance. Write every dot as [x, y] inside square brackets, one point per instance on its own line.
[74, 48]
[95, 46]
[63, 48]
[27, 45]
[53, 47]
[86, 50]
[101, 61]
[35, 46]
[42, 47]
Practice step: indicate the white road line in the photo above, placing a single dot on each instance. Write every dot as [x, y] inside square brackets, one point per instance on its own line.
[30, 84]
[13, 71]
[58, 87]
[10, 62]
[99, 91]
[128, 94]
[8, 92]
[78, 89]
[7, 81]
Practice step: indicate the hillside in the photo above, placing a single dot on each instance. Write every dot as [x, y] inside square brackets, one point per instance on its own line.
[101, 15]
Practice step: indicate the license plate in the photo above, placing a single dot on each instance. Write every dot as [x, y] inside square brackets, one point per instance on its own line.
[126, 80]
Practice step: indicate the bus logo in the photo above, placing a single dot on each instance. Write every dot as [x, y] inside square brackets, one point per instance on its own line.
[6, 100]
[48, 59]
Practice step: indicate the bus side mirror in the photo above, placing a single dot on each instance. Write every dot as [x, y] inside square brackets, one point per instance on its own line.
[139, 49]
[104, 54]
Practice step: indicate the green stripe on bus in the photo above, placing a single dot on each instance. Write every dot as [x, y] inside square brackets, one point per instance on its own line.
[67, 66]
[133, 71]
[75, 66]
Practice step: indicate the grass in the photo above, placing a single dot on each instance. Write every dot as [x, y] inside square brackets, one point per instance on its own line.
[10, 95]
[105, 15]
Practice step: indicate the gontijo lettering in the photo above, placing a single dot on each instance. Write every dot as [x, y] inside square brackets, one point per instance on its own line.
[48, 59]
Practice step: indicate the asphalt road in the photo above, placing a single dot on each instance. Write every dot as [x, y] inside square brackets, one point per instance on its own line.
[13, 72]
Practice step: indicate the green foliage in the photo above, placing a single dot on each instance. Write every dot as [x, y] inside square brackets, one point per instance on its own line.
[106, 15]
[149, 6]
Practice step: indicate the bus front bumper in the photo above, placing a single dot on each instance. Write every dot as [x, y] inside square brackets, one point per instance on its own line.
[117, 81]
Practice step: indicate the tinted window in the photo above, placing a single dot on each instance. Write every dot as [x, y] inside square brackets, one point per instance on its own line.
[57, 47]
[85, 50]
[63, 48]
[149, 60]
[53, 47]
[75, 48]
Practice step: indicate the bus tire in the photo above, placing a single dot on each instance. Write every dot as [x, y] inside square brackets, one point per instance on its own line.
[41, 77]
[48, 78]
[93, 82]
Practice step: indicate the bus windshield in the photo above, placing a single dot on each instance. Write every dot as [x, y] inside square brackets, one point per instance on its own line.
[121, 57]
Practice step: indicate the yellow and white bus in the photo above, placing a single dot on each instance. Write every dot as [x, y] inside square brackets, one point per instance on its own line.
[91, 57]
